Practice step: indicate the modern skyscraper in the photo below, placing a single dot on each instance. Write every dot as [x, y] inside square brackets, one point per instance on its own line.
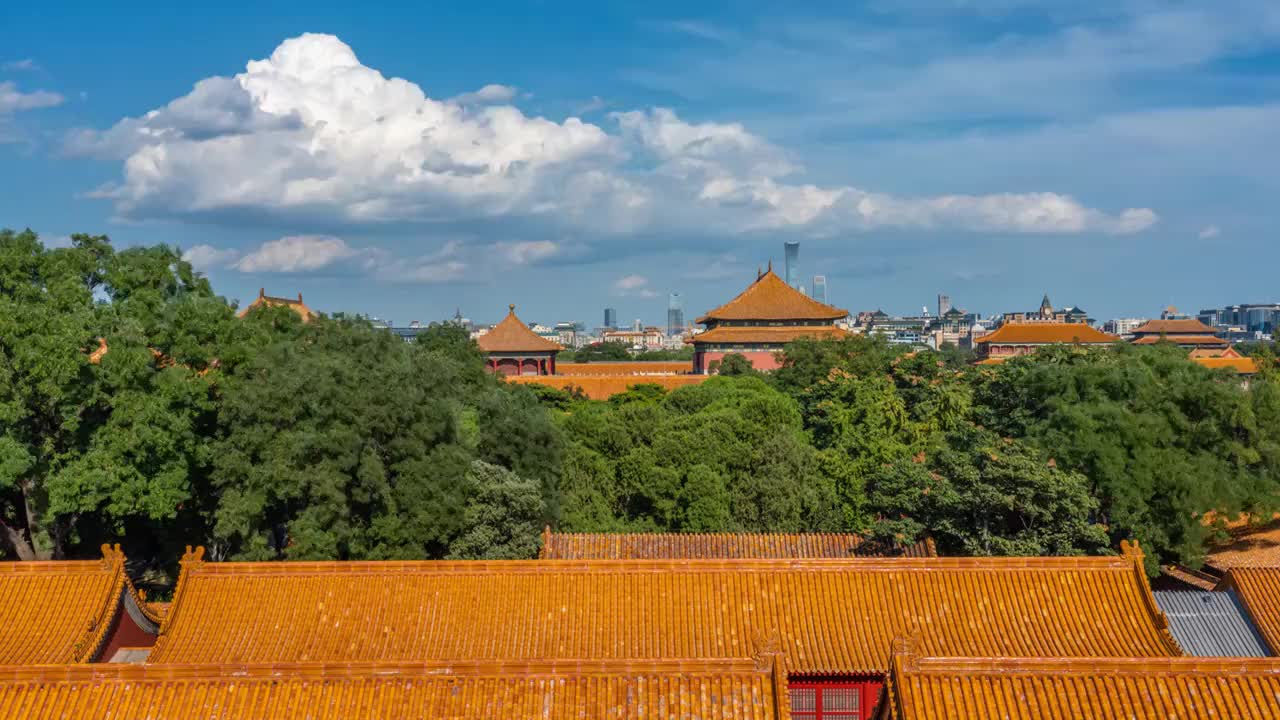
[820, 288]
[610, 318]
[944, 304]
[675, 314]
[791, 256]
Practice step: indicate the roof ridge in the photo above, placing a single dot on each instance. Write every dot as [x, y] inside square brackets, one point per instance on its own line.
[384, 668]
[1091, 665]
[606, 565]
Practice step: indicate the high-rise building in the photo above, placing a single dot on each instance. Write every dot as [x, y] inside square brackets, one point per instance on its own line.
[820, 288]
[610, 318]
[791, 256]
[675, 314]
[637, 325]
[944, 304]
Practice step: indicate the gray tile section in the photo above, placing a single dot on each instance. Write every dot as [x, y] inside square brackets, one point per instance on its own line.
[1211, 624]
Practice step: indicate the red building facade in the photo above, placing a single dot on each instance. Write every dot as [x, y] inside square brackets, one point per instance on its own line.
[760, 321]
[511, 348]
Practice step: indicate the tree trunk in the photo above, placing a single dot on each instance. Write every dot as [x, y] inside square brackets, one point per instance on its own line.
[33, 526]
[17, 544]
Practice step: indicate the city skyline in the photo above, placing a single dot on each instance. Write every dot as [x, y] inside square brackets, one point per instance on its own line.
[405, 173]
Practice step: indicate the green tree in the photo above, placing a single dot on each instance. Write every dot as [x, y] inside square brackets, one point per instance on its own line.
[980, 495]
[336, 444]
[503, 517]
[728, 454]
[1162, 440]
[98, 418]
[732, 364]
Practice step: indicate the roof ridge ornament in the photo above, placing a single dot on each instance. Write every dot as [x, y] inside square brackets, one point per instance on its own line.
[767, 647]
[193, 556]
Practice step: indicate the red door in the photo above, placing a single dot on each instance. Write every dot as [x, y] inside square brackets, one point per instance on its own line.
[834, 698]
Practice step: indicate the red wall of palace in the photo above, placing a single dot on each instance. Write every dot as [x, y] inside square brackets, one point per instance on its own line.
[759, 360]
[125, 633]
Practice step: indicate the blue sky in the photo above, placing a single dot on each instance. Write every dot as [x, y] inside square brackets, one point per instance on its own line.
[568, 156]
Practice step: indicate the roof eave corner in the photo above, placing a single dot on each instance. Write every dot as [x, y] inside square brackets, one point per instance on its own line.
[1132, 551]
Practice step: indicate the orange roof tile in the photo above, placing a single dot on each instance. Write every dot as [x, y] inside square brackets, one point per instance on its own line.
[265, 300]
[941, 688]
[512, 335]
[656, 546]
[1242, 365]
[1249, 546]
[1182, 340]
[766, 334]
[832, 615]
[1047, 334]
[60, 611]
[1259, 590]
[738, 689]
[639, 367]
[1173, 327]
[771, 298]
[603, 387]
[1211, 352]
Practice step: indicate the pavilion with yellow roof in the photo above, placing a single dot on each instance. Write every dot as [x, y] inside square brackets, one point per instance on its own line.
[760, 321]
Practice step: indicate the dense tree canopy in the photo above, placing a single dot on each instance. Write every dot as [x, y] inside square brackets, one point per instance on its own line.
[135, 406]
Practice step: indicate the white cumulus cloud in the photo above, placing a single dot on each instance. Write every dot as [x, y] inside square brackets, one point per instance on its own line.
[311, 133]
[527, 252]
[325, 253]
[491, 93]
[1210, 232]
[23, 64]
[207, 257]
[634, 285]
[13, 100]
[297, 253]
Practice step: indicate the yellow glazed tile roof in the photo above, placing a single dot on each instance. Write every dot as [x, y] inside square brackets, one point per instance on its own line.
[771, 298]
[927, 688]
[831, 615]
[1046, 334]
[603, 387]
[1259, 590]
[1205, 340]
[689, 546]
[1189, 326]
[512, 335]
[623, 368]
[766, 334]
[737, 689]
[59, 611]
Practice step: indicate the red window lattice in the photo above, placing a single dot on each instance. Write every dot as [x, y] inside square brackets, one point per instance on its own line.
[833, 698]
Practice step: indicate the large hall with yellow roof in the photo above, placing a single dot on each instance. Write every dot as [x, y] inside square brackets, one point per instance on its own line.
[767, 626]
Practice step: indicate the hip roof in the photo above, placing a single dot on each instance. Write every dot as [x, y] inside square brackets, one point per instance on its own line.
[59, 611]
[771, 298]
[920, 687]
[741, 689]
[832, 615]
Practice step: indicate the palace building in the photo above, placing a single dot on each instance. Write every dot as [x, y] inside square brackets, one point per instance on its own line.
[760, 321]
[1014, 339]
[72, 611]
[1186, 333]
[265, 300]
[830, 621]
[511, 348]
